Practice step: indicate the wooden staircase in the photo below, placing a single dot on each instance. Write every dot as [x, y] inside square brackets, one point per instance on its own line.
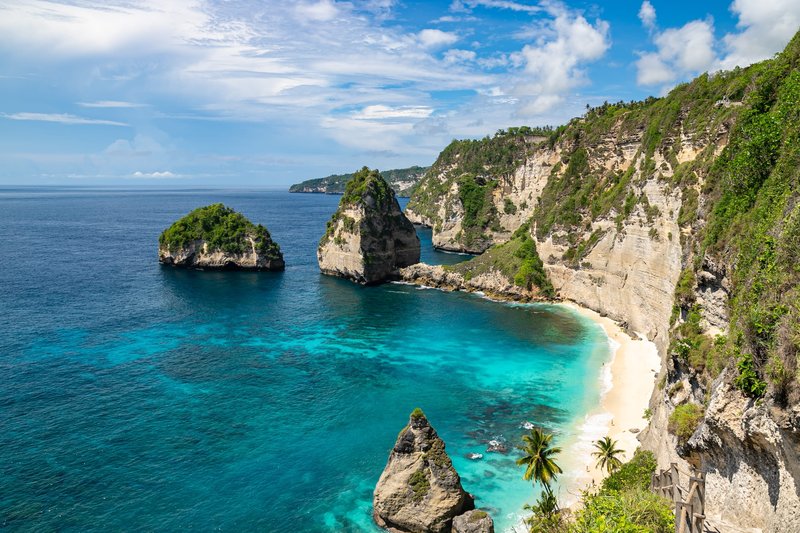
[690, 503]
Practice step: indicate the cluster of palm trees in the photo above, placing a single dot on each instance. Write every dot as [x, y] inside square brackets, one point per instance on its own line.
[541, 467]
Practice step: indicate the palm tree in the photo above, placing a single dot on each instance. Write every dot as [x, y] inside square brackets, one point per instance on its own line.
[607, 453]
[539, 458]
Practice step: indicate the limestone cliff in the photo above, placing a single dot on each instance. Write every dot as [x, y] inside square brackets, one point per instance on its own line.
[679, 217]
[368, 238]
[217, 237]
[419, 491]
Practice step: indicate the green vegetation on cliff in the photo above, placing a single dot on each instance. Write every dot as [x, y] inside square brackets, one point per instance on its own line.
[222, 228]
[752, 224]
[516, 259]
[625, 503]
[727, 145]
[402, 180]
[474, 168]
[365, 186]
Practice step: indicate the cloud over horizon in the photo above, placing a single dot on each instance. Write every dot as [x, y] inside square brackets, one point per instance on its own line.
[283, 88]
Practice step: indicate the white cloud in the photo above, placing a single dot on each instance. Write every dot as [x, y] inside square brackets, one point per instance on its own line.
[322, 11]
[60, 118]
[553, 66]
[96, 28]
[467, 5]
[380, 112]
[690, 48]
[764, 29]
[680, 52]
[651, 70]
[154, 175]
[647, 14]
[431, 38]
[111, 104]
[459, 56]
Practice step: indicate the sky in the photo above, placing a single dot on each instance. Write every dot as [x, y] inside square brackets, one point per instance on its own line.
[241, 93]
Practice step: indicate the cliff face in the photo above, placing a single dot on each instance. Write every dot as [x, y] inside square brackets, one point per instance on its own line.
[679, 217]
[419, 491]
[368, 238]
[216, 237]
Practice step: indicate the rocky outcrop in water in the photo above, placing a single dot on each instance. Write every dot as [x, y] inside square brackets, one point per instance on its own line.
[419, 491]
[217, 237]
[369, 238]
[475, 521]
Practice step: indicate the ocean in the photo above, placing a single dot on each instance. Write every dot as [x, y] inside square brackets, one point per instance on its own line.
[138, 397]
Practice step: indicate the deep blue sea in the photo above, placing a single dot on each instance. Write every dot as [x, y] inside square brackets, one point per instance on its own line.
[135, 397]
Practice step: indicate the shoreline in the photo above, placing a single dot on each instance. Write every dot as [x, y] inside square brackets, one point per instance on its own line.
[628, 381]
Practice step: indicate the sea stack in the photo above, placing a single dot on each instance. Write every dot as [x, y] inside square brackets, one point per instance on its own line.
[217, 237]
[419, 490]
[369, 238]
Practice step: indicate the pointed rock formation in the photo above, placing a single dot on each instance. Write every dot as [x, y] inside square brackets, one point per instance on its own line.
[217, 237]
[419, 490]
[369, 238]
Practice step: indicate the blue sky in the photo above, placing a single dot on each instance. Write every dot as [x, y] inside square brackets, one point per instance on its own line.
[240, 93]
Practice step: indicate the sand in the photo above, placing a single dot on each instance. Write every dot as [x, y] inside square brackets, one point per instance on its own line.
[628, 384]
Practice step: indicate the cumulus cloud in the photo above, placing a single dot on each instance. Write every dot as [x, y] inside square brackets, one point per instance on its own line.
[60, 118]
[680, 52]
[154, 175]
[652, 70]
[764, 29]
[647, 14]
[432, 38]
[321, 11]
[554, 65]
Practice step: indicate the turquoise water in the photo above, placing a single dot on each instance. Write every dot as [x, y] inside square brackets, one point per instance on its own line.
[139, 397]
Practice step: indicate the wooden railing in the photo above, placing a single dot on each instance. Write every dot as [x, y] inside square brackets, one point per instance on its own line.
[690, 505]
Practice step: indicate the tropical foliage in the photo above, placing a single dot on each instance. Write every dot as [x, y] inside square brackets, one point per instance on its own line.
[221, 228]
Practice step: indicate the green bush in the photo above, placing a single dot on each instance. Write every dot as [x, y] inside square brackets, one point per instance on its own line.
[631, 511]
[221, 228]
[684, 420]
[419, 484]
[635, 474]
[624, 503]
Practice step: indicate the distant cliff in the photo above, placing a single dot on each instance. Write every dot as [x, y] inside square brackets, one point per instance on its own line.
[680, 217]
[401, 180]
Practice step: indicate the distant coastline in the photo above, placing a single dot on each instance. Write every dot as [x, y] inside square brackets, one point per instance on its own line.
[339, 193]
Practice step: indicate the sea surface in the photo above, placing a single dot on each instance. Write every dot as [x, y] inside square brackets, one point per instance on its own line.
[135, 397]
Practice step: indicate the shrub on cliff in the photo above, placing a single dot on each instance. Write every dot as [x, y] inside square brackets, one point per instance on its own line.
[624, 502]
[684, 420]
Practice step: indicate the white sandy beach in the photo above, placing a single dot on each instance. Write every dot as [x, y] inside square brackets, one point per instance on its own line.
[628, 384]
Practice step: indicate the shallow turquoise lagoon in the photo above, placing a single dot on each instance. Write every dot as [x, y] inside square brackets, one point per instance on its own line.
[135, 397]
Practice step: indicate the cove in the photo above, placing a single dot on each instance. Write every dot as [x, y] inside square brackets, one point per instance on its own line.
[136, 394]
